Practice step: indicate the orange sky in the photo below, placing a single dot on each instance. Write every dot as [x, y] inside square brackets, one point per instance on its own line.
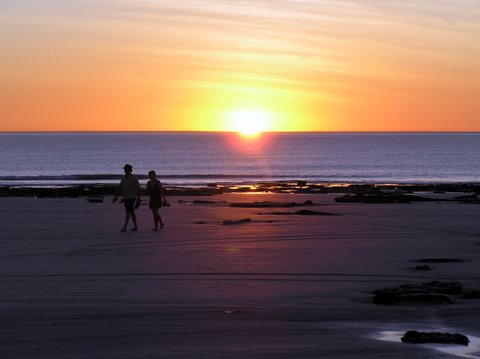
[325, 65]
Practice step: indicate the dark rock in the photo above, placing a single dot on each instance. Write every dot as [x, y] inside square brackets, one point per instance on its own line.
[440, 260]
[301, 183]
[228, 222]
[279, 213]
[199, 201]
[385, 297]
[199, 222]
[454, 187]
[423, 267]
[244, 189]
[307, 212]
[471, 294]
[381, 198]
[414, 198]
[454, 288]
[426, 293]
[371, 198]
[308, 203]
[467, 198]
[392, 192]
[362, 188]
[412, 336]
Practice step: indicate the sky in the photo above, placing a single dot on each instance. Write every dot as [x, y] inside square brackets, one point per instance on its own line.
[200, 65]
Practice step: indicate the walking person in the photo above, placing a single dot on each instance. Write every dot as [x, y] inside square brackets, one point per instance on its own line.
[157, 197]
[129, 188]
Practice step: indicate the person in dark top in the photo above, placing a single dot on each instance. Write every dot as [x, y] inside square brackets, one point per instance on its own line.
[130, 190]
[157, 197]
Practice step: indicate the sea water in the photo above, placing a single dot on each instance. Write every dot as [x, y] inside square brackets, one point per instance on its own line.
[48, 159]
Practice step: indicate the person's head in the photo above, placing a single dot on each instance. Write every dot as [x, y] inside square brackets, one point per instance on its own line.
[128, 168]
[152, 175]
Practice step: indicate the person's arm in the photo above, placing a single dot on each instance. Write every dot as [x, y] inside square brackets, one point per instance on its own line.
[138, 190]
[162, 191]
[137, 200]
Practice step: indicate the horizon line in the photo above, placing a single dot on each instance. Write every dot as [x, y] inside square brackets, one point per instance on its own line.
[229, 132]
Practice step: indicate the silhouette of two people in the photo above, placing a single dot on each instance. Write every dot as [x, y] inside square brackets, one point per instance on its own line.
[129, 189]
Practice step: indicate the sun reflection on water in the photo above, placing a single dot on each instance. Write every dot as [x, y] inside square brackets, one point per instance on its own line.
[251, 144]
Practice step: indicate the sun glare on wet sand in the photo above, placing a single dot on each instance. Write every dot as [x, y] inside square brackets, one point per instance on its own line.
[250, 122]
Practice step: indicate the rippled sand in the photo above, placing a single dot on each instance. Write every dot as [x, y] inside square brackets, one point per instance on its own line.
[73, 286]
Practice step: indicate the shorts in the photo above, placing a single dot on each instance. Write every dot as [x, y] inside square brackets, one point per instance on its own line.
[155, 203]
[129, 204]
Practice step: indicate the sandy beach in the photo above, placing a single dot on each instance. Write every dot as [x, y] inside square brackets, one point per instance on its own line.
[281, 286]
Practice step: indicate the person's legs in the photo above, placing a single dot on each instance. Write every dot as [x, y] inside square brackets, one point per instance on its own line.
[129, 212]
[134, 220]
[127, 218]
[155, 214]
[159, 220]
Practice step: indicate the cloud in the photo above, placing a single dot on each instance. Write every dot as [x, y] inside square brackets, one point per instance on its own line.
[337, 48]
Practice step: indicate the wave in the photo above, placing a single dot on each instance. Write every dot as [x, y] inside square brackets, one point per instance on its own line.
[92, 177]
[188, 180]
[228, 179]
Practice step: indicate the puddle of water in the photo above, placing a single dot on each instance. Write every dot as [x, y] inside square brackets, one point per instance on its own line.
[463, 351]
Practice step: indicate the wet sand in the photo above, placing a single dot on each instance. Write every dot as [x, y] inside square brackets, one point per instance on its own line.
[281, 286]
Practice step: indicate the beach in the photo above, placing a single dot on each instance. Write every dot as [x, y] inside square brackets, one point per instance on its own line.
[282, 285]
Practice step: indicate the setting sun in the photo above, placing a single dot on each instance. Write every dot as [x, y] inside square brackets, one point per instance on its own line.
[250, 122]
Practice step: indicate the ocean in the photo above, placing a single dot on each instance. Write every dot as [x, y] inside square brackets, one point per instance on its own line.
[197, 159]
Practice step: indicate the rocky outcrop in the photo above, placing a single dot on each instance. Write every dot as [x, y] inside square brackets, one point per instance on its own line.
[426, 293]
[440, 260]
[471, 294]
[415, 337]
[307, 212]
[423, 267]
[240, 221]
[473, 198]
[381, 198]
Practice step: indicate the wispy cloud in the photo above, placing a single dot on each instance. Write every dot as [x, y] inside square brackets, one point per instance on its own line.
[308, 46]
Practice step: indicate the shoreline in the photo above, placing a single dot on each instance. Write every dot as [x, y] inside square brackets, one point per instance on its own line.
[293, 187]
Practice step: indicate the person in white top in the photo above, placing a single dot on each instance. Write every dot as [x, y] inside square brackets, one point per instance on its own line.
[129, 188]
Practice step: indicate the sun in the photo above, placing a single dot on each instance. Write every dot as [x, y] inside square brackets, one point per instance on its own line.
[250, 122]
